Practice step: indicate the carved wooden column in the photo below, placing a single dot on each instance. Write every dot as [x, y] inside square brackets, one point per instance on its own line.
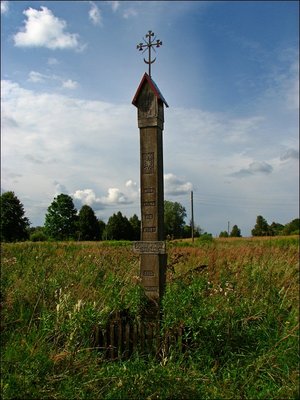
[153, 258]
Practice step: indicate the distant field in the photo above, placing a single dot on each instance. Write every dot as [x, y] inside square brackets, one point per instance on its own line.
[238, 300]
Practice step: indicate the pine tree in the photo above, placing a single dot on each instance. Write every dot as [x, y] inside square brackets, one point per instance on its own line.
[136, 227]
[88, 226]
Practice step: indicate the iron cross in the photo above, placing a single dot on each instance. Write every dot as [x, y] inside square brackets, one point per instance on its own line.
[149, 45]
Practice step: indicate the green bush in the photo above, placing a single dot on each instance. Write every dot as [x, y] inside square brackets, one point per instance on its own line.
[38, 236]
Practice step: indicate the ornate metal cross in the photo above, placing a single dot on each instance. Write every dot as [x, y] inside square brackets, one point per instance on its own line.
[149, 45]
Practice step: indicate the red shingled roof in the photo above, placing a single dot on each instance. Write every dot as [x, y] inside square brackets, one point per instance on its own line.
[153, 86]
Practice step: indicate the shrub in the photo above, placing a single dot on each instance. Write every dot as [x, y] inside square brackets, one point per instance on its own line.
[38, 236]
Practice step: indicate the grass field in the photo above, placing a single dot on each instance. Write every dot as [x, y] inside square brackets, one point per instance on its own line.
[241, 313]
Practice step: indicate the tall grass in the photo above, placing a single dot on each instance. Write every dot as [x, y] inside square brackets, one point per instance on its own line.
[237, 300]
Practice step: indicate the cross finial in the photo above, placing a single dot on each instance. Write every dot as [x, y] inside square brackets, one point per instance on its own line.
[149, 44]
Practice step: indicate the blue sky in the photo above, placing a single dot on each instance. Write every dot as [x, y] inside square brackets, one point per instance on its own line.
[229, 71]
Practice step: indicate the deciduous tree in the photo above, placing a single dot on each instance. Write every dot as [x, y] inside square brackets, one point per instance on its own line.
[261, 227]
[235, 232]
[37, 234]
[174, 215]
[276, 228]
[61, 218]
[223, 234]
[14, 224]
[118, 228]
[292, 228]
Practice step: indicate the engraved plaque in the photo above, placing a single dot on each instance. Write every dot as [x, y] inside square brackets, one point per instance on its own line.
[148, 216]
[149, 204]
[149, 229]
[151, 288]
[150, 247]
[148, 163]
[148, 273]
[149, 190]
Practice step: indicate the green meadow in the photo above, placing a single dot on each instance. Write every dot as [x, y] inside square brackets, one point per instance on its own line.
[238, 300]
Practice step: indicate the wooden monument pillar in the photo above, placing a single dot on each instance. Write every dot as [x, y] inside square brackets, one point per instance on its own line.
[153, 258]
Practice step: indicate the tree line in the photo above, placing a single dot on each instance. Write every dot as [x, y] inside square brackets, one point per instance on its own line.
[262, 228]
[64, 222]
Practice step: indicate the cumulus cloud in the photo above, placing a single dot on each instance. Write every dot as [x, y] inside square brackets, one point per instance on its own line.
[81, 143]
[87, 197]
[132, 189]
[175, 186]
[4, 7]
[254, 168]
[69, 84]
[114, 196]
[43, 29]
[95, 14]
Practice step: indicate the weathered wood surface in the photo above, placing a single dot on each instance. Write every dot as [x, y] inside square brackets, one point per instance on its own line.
[122, 337]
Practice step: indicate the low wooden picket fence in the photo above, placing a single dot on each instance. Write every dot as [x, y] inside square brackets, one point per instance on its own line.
[123, 336]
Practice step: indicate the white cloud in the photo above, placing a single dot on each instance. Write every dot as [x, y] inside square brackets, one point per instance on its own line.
[87, 197]
[90, 147]
[52, 61]
[35, 77]
[130, 12]
[43, 29]
[69, 84]
[175, 186]
[114, 197]
[114, 5]
[4, 7]
[95, 14]
[131, 184]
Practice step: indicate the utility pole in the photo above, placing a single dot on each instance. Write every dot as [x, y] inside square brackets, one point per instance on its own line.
[192, 211]
[228, 227]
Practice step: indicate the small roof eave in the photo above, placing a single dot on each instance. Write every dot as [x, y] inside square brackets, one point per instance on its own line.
[153, 86]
